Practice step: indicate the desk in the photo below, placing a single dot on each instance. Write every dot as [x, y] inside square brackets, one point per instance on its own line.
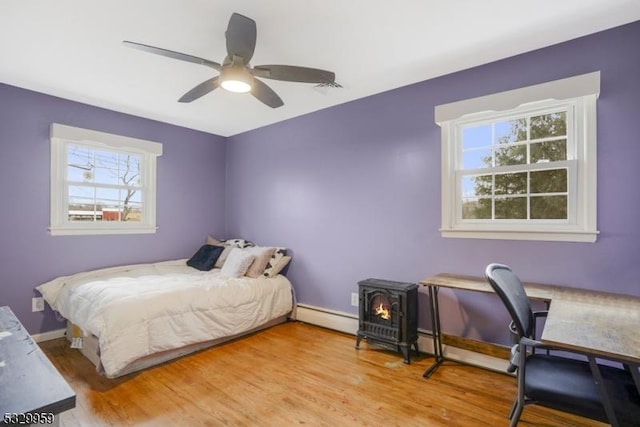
[607, 325]
[597, 324]
[535, 291]
[30, 386]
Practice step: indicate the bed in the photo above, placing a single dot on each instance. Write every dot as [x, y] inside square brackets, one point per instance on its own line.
[132, 317]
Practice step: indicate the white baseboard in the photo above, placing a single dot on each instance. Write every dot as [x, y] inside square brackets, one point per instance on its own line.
[348, 323]
[330, 319]
[51, 335]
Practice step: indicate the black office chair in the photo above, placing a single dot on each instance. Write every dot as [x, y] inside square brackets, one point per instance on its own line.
[551, 380]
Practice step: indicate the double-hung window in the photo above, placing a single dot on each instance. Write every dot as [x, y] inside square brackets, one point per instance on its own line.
[101, 183]
[522, 164]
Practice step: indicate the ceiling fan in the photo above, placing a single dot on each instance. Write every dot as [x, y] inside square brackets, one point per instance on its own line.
[236, 74]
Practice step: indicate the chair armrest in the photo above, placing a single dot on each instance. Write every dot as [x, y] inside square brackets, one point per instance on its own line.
[538, 315]
[533, 343]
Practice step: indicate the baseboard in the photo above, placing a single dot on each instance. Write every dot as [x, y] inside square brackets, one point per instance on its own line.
[47, 336]
[330, 319]
[348, 323]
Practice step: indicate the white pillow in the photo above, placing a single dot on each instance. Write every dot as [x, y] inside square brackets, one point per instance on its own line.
[237, 263]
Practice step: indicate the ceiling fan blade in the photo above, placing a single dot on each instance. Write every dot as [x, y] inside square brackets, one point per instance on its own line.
[241, 37]
[172, 54]
[200, 90]
[265, 94]
[291, 73]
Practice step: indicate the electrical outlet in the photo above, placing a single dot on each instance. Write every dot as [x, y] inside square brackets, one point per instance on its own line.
[37, 304]
[354, 299]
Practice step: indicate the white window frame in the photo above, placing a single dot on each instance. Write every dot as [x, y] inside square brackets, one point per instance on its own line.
[579, 95]
[61, 136]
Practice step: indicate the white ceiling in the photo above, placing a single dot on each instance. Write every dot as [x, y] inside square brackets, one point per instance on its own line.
[72, 48]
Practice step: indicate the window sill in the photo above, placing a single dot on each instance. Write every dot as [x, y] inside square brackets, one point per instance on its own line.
[553, 236]
[78, 231]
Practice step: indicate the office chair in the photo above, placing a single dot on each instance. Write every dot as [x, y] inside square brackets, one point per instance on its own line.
[555, 381]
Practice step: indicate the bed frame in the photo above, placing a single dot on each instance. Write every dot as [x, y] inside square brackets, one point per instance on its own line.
[91, 349]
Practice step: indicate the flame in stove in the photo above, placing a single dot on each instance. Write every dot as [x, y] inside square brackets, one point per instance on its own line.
[383, 312]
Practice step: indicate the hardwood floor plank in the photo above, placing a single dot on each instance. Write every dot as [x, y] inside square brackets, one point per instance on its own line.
[294, 374]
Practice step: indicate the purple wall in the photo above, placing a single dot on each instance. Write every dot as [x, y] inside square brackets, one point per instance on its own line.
[190, 196]
[355, 189]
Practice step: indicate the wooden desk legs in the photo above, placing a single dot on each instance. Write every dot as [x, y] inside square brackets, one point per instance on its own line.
[435, 331]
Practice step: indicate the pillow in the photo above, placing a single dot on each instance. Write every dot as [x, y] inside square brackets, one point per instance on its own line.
[237, 263]
[214, 241]
[205, 258]
[238, 243]
[277, 255]
[280, 265]
[223, 256]
[262, 256]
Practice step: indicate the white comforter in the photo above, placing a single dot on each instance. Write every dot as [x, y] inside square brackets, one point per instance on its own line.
[138, 310]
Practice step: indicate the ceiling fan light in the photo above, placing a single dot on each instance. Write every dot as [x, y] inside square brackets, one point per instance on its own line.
[236, 78]
[236, 86]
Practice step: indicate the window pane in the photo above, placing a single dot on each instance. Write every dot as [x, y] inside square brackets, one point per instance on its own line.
[131, 205]
[549, 151]
[108, 195]
[511, 155]
[476, 159]
[81, 204]
[80, 195]
[110, 211]
[549, 181]
[476, 137]
[475, 208]
[479, 185]
[131, 196]
[510, 131]
[129, 172]
[511, 208]
[106, 176]
[84, 214]
[549, 207]
[85, 164]
[79, 166]
[511, 183]
[132, 212]
[549, 125]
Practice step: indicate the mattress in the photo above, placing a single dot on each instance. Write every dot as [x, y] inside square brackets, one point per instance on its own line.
[141, 310]
[90, 348]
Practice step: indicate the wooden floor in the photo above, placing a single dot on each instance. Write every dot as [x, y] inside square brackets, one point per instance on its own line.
[294, 374]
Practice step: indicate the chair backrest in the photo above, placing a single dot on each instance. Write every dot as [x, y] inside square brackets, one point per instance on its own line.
[510, 290]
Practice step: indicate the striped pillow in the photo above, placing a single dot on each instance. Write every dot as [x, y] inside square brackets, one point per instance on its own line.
[275, 258]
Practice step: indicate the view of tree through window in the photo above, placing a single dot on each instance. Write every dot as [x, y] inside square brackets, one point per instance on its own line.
[516, 169]
[103, 185]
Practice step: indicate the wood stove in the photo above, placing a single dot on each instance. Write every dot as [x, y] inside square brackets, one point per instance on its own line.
[389, 315]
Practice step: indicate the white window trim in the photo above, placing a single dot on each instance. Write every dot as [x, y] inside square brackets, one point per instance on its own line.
[61, 135]
[584, 91]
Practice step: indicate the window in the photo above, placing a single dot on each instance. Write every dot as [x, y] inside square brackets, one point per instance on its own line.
[522, 164]
[101, 183]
